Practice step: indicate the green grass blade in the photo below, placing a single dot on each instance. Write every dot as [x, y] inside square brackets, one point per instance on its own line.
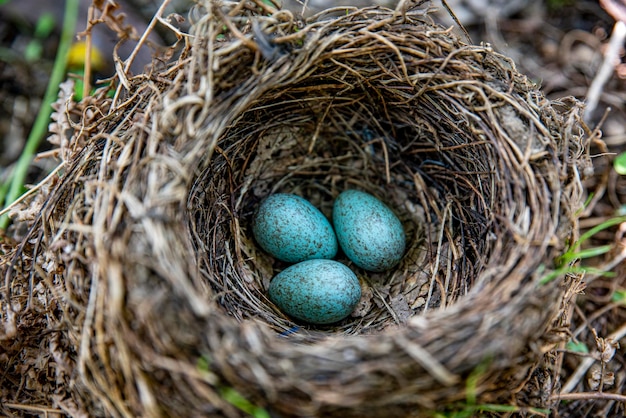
[40, 127]
[569, 257]
[604, 225]
[237, 400]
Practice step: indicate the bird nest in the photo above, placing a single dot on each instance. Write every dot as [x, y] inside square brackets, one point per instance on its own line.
[139, 290]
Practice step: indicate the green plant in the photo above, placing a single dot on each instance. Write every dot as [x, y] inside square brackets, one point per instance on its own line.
[16, 183]
[577, 347]
[619, 296]
[574, 254]
[235, 398]
[44, 27]
[555, 5]
[231, 395]
[471, 408]
[619, 164]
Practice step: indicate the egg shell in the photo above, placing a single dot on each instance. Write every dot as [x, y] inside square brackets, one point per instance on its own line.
[369, 233]
[291, 229]
[316, 291]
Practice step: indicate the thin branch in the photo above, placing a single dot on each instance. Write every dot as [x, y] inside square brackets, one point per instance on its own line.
[571, 384]
[589, 396]
[145, 35]
[616, 8]
[612, 55]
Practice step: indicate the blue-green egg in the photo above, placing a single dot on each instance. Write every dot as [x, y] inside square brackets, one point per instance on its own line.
[369, 233]
[291, 229]
[316, 291]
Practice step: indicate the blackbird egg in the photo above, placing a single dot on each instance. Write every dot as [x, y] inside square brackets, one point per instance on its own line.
[316, 291]
[369, 233]
[291, 229]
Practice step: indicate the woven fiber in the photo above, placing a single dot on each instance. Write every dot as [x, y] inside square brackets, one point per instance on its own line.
[139, 290]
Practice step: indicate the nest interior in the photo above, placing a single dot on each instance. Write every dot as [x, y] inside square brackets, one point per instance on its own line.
[139, 283]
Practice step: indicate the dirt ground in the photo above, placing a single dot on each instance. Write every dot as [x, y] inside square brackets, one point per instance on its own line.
[560, 44]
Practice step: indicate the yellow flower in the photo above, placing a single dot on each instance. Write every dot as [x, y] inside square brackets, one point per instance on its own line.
[77, 53]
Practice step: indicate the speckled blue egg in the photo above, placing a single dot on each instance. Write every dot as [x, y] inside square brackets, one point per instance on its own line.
[316, 291]
[369, 233]
[291, 229]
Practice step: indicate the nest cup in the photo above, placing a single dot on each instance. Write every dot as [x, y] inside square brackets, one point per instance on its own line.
[145, 243]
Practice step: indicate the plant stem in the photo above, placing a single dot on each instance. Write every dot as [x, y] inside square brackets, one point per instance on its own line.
[40, 126]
